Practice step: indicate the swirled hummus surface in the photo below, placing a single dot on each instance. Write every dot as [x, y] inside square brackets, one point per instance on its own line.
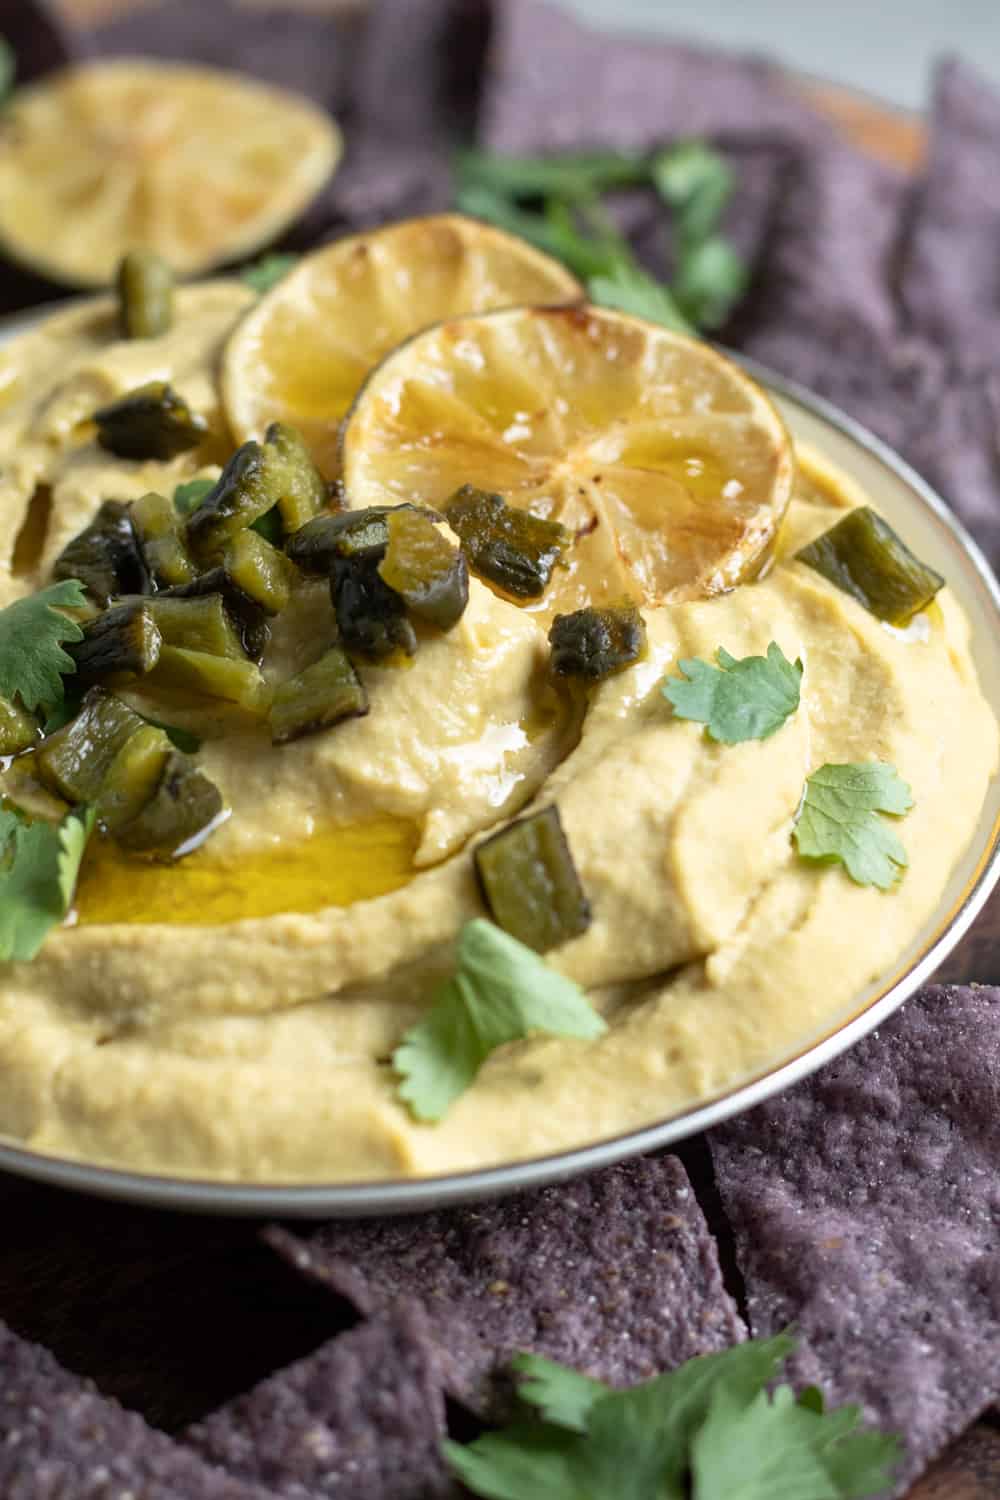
[233, 1015]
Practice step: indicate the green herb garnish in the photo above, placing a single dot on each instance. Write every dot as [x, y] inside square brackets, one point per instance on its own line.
[501, 991]
[188, 496]
[839, 820]
[748, 699]
[32, 661]
[39, 865]
[710, 1430]
[265, 273]
[556, 204]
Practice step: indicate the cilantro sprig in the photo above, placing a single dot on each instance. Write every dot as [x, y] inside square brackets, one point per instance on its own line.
[266, 272]
[746, 699]
[39, 865]
[501, 991]
[839, 820]
[557, 204]
[710, 1430]
[32, 633]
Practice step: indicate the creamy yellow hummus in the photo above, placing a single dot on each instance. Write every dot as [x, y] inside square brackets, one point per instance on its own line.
[233, 1015]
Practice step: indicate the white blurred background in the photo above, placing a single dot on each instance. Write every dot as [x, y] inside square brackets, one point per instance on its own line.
[883, 46]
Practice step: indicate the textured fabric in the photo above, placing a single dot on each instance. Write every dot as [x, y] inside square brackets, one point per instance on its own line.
[866, 1209]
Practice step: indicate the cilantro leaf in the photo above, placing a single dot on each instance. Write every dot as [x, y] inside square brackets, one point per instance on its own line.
[585, 257]
[696, 182]
[839, 820]
[501, 991]
[707, 1430]
[741, 700]
[266, 272]
[631, 290]
[779, 1449]
[710, 279]
[39, 864]
[564, 1397]
[571, 175]
[32, 660]
[188, 496]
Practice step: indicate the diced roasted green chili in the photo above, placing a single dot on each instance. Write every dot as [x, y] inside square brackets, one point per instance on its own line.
[132, 777]
[260, 571]
[247, 615]
[370, 616]
[75, 760]
[508, 547]
[158, 527]
[867, 559]
[145, 285]
[346, 534]
[197, 623]
[239, 496]
[209, 676]
[326, 692]
[123, 641]
[299, 488]
[424, 569]
[530, 883]
[150, 422]
[18, 728]
[180, 814]
[595, 643]
[106, 556]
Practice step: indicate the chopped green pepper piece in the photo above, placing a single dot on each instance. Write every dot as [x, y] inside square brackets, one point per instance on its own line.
[508, 547]
[150, 422]
[260, 571]
[75, 760]
[864, 556]
[106, 556]
[326, 692]
[132, 777]
[182, 811]
[145, 285]
[596, 643]
[530, 884]
[209, 676]
[198, 623]
[18, 728]
[246, 614]
[123, 641]
[239, 496]
[347, 534]
[370, 616]
[424, 569]
[299, 487]
[158, 528]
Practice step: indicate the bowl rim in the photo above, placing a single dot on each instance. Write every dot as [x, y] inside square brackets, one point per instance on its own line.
[423, 1194]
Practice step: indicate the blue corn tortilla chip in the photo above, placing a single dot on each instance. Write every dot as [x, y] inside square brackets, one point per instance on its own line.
[362, 1417]
[556, 84]
[60, 1439]
[615, 1275]
[949, 281]
[864, 1205]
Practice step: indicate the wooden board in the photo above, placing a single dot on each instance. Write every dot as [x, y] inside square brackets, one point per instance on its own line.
[174, 1315]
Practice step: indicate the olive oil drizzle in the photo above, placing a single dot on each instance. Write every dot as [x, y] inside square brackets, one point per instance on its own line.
[333, 867]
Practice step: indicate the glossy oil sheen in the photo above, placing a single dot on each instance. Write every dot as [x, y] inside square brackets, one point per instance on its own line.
[333, 867]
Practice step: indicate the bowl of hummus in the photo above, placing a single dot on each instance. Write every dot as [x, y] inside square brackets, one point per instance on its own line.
[395, 854]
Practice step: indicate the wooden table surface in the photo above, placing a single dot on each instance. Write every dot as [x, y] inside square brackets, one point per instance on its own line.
[175, 1314]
